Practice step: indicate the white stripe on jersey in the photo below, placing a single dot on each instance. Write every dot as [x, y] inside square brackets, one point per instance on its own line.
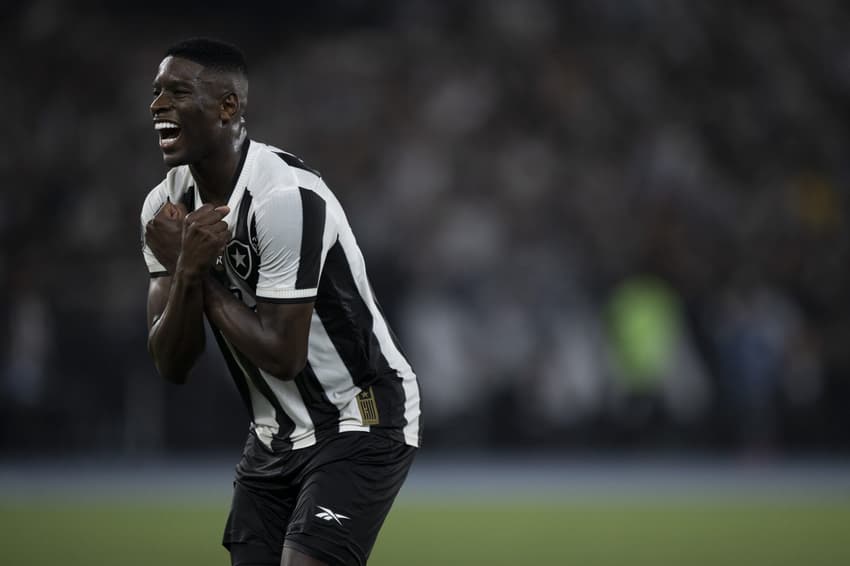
[265, 421]
[394, 357]
[304, 434]
[334, 377]
[272, 293]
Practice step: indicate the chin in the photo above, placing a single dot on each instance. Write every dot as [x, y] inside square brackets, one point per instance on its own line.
[173, 159]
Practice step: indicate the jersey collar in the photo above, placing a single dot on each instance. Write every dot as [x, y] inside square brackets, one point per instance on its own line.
[240, 183]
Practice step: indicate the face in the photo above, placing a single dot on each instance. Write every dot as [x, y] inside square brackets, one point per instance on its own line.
[186, 111]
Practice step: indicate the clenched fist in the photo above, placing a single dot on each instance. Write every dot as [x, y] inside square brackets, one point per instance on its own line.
[205, 236]
[164, 234]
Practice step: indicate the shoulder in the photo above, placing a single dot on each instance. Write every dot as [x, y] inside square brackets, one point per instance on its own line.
[285, 185]
[280, 155]
[177, 181]
[275, 168]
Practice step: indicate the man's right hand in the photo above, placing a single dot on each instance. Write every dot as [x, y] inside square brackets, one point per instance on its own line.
[205, 236]
[163, 234]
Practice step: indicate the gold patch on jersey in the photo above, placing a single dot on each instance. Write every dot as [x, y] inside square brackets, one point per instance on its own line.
[368, 407]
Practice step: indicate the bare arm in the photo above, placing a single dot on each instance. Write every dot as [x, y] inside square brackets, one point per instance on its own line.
[175, 325]
[274, 338]
[176, 302]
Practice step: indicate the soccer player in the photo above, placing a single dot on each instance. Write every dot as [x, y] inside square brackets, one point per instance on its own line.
[251, 238]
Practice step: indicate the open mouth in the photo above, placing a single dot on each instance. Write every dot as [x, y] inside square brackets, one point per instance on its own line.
[169, 132]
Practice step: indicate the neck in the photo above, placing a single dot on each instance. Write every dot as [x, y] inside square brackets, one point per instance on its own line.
[216, 175]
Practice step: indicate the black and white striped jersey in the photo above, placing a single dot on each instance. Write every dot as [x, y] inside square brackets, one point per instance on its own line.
[291, 242]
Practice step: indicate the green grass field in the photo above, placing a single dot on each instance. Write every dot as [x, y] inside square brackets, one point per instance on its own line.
[632, 531]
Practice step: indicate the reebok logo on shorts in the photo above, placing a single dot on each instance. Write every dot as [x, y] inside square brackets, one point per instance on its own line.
[329, 515]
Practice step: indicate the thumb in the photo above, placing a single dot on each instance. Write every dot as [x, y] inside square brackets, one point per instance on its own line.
[169, 209]
[223, 210]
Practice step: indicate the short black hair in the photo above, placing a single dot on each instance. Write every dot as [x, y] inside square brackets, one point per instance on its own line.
[211, 53]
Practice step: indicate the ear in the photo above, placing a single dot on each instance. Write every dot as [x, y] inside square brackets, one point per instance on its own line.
[229, 108]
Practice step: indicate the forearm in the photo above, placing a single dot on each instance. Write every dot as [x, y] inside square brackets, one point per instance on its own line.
[274, 350]
[176, 338]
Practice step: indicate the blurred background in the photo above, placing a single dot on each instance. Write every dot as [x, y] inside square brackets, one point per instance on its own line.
[593, 224]
[601, 228]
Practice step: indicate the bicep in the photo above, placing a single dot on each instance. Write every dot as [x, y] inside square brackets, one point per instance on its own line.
[158, 290]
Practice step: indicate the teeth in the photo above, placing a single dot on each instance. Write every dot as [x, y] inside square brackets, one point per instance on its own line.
[164, 125]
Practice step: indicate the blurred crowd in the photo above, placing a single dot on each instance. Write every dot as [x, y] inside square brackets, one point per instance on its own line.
[594, 224]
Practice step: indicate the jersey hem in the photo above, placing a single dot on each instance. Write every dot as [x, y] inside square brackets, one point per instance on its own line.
[353, 428]
[272, 293]
[294, 300]
[411, 440]
[312, 438]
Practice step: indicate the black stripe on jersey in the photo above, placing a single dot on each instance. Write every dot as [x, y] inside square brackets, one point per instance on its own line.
[348, 322]
[297, 162]
[397, 344]
[312, 233]
[285, 424]
[394, 338]
[235, 370]
[323, 413]
[243, 234]
[188, 199]
[238, 171]
[252, 233]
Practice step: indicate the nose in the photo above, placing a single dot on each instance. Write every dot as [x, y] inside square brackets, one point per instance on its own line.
[160, 103]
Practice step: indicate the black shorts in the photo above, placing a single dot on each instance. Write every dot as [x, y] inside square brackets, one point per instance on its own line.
[327, 501]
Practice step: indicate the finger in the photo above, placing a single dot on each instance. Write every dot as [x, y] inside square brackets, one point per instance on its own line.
[175, 213]
[199, 214]
[203, 209]
[219, 212]
[206, 218]
[181, 210]
[164, 224]
[170, 211]
[220, 226]
[163, 208]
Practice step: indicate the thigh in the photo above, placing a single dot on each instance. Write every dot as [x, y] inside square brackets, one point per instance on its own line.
[292, 557]
[346, 493]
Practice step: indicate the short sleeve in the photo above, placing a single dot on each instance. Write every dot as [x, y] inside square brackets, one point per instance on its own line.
[291, 231]
[154, 201]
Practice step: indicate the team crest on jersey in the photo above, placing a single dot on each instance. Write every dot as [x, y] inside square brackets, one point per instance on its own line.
[239, 258]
